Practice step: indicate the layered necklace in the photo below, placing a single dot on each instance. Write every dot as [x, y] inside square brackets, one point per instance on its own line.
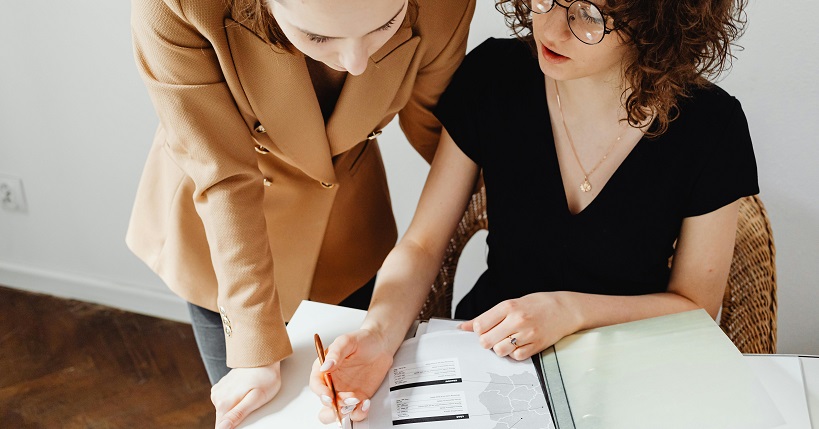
[586, 186]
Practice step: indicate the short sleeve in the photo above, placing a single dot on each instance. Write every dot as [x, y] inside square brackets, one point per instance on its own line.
[728, 171]
[459, 108]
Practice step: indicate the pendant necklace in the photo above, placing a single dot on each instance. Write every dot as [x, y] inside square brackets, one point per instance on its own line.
[586, 185]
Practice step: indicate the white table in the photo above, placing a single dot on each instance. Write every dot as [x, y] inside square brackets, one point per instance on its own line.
[297, 406]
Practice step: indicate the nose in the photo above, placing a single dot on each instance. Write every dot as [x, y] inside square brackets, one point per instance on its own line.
[554, 24]
[354, 57]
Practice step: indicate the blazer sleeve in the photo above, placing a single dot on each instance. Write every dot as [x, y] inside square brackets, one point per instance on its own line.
[208, 139]
[422, 128]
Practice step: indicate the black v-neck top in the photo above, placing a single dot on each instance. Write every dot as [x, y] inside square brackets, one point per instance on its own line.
[496, 111]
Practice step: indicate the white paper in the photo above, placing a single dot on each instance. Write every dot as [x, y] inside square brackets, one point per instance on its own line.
[296, 406]
[445, 379]
[438, 325]
[782, 378]
[810, 373]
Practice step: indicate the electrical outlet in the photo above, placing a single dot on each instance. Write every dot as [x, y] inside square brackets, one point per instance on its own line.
[11, 194]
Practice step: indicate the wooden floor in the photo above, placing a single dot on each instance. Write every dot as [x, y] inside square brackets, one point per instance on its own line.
[69, 364]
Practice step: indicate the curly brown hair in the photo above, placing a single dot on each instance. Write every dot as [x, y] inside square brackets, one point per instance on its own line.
[679, 45]
[256, 15]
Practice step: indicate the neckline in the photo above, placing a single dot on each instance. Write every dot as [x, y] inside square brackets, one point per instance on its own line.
[558, 176]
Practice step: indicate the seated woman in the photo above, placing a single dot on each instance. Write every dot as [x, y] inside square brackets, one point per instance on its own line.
[604, 151]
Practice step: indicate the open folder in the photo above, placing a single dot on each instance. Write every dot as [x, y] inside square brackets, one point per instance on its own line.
[676, 371]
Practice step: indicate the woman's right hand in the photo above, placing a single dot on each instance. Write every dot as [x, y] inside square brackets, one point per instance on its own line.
[358, 362]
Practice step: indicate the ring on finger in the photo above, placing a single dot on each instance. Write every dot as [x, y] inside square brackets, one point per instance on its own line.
[513, 341]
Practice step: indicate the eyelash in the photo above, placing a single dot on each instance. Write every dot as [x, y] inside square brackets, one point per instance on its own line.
[387, 25]
[319, 39]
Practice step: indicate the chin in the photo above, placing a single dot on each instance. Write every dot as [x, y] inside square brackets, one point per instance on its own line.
[549, 70]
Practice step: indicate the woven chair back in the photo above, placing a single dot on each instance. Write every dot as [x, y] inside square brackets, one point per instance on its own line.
[749, 308]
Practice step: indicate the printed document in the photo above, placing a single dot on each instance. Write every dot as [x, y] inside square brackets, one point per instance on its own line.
[446, 380]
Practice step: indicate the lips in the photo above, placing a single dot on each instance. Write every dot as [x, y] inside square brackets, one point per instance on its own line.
[552, 56]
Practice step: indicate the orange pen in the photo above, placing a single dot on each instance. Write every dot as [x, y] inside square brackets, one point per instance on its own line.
[327, 378]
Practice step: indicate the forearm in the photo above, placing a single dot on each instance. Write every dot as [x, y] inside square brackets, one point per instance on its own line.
[402, 286]
[594, 311]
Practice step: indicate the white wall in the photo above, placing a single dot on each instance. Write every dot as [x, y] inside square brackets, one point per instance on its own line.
[76, 124]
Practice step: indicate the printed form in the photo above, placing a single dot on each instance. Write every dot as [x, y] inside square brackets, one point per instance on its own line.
[445, 379]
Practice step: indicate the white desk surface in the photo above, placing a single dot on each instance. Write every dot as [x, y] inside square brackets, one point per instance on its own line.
[297, 406]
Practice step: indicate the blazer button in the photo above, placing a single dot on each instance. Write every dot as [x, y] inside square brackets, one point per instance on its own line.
[374, 135]
[268, 182]
[225, 321]
[328, 185]
[262, 150]
[259, 128]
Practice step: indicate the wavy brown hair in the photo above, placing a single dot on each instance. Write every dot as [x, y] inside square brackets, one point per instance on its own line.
[255, 15]
[678, 45]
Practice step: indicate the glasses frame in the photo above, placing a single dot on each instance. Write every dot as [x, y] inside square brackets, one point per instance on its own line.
[606, 30]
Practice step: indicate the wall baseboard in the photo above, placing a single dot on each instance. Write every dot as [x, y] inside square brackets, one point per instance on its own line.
[131, 298]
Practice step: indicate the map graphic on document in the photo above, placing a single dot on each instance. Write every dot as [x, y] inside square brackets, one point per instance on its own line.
[516, 401]
[446, 380]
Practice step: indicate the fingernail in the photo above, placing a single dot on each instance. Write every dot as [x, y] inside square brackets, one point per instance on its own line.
[366, 405]
[224, 425]
[347, 409]
[326, 399]
[327, 365]
[346, 423]
[351, 401]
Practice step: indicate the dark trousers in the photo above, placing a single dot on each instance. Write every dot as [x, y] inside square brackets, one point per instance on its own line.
[210, 338]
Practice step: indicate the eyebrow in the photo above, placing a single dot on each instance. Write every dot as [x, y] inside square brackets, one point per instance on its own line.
[310, 33]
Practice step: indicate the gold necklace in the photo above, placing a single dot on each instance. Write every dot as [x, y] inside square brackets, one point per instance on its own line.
[586, 185]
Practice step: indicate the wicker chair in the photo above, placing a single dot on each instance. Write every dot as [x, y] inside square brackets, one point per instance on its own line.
[748, 314]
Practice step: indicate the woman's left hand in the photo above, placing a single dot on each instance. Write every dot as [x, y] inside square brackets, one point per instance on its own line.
[521, 327]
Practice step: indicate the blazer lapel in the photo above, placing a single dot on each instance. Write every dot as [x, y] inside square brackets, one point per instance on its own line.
[278, 88]
[366, 99]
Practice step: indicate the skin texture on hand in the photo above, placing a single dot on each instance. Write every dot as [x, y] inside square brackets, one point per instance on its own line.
[242, 391]
[358, 363]
[536, 321]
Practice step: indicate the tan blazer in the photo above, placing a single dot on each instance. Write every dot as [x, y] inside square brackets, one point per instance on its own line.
[248, 203]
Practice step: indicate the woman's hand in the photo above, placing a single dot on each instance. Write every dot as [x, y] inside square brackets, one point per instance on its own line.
[534, 322]
[242, 391]
[358, 363]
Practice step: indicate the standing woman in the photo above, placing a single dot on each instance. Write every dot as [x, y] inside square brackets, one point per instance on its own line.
[604, 151]
[264, 185]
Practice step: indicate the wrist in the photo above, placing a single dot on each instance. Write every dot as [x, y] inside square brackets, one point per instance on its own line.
[573, 308]
[389, 333]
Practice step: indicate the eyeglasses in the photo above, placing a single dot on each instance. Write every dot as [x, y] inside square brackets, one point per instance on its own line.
[585, 20]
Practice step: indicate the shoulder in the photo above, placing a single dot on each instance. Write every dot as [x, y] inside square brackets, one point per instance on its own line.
[441, 22]
[712, 127]
[708, 112]
[499, 60]
[442, 17]
[506, 54]
[709, 104]
[196, 13]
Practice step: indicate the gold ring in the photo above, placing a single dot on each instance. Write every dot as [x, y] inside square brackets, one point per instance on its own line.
[514, 341]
